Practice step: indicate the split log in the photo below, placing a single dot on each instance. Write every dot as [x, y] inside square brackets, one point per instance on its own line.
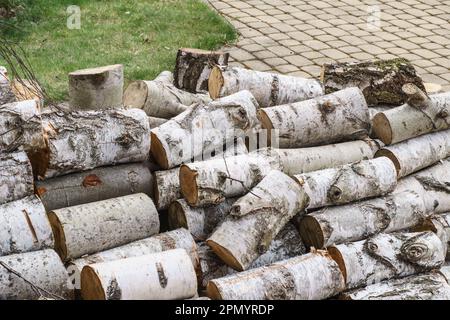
[114, 222]
[156, 122]
[256, 219]
[6, 93]
[96, 88]
[24, 226]
[160, 98]
[380, 81]
[387, 256]
[203, 129]
[83, 140]
[296, 161]
[269, 89]
[20, 126]
[211, 182]
[349, 183]
[429, 286]
[309, 277]
[440, 225]
[167, 275]
[418, 153]
[33, 275]
[95, 185]
[176, 239]
[357, 221]
[193, 67]
[16, 178]
[406, 122]
[336, 117]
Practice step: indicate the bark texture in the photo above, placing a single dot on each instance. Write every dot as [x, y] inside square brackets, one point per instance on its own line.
[95, 185]
[155, 122]
[256, 219]
[6, 93]
[381, 81]
[336, 117]
[269, 89]
[193, 67]
[114, 222]
[439, 224]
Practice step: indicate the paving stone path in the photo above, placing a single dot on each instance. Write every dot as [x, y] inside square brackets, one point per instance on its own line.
[297, 36]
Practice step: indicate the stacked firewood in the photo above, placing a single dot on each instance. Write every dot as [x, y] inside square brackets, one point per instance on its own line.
[272, 186]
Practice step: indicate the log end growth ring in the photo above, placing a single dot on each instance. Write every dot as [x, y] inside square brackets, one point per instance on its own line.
[382, 128]
[311, 232]
[215, 82]
[158, 152]
[188, 185]
[135, 95]
[177, 216]
[58, 233]
[391, 156]
[267, 124]
[336, 255]
[91, 287]
[212, 291]
[225, 255]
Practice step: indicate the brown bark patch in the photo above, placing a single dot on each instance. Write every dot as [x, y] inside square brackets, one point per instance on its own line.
[91, 180]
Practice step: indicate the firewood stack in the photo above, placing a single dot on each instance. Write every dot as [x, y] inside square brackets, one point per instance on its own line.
[272, 186]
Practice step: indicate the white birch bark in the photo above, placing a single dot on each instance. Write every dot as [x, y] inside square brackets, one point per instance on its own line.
[387, 256]
[312, 276]
[102, 225]
[6, 93]
[357, 221]
[439, 224]
[337, 117]
[349, 183]
[167, 275]
[269, 89]
[256, 219]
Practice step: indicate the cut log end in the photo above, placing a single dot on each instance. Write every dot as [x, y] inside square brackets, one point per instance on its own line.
[391, 156]
[266, 124]
[177, 216]
[311, 232]
[39, 159]
[382, 128]
[215, 82]
[188, 184]
[225, 255]
[336, 255]
[58, 233]
[158, 152]
[213, 292]
[91, 287]
[135, 95]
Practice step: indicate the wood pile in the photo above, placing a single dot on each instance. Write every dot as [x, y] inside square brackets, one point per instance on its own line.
[217, 182]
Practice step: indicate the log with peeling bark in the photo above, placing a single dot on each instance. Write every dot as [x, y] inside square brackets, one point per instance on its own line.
[211, 182]
[312, 276]
[256, 219]
[417, 153]
[357, 221]
[203, 129]
[160, 98]
[24, 226]
[96, 88]
[433, 285]
[20, 126]
[6, 93]
[16, 178]
[193, 67]
[95, 185]
[349, 183]
[82, 140]
[43, 269]
[269, 89]
[381, 81]
[167, 275]
[336, 117]
[406, 122]
[439, 224]
[114, 222]
[155, 122]
[387, 256]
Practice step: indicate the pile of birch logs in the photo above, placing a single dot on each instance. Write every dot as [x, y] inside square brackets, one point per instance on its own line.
[221, 182]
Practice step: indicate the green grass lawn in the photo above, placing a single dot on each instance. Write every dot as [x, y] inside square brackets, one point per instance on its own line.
[143, 35]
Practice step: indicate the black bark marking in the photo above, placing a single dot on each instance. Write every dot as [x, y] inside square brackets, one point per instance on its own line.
[161, 275]
[274, 92]
[113, 292]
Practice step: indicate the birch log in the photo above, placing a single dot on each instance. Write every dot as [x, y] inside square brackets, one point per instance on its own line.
[20, 126]
[96, 88]
[16, 178]
[406, 122]
[155, 122]
[83, 140]
[42, 268]
[95, 185]
[417, 153]
[24, 226]
[381, 81]
[269, 89]
[193, 67]
[160, 98]
[211, 182]
[6, 93]
[167, 275]
[357, 221]
[256, 219]
[387, 256]
[348, 183]
[336, 117]
[309, 277]
[296, 161]
[102, 225]
[204, 128]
